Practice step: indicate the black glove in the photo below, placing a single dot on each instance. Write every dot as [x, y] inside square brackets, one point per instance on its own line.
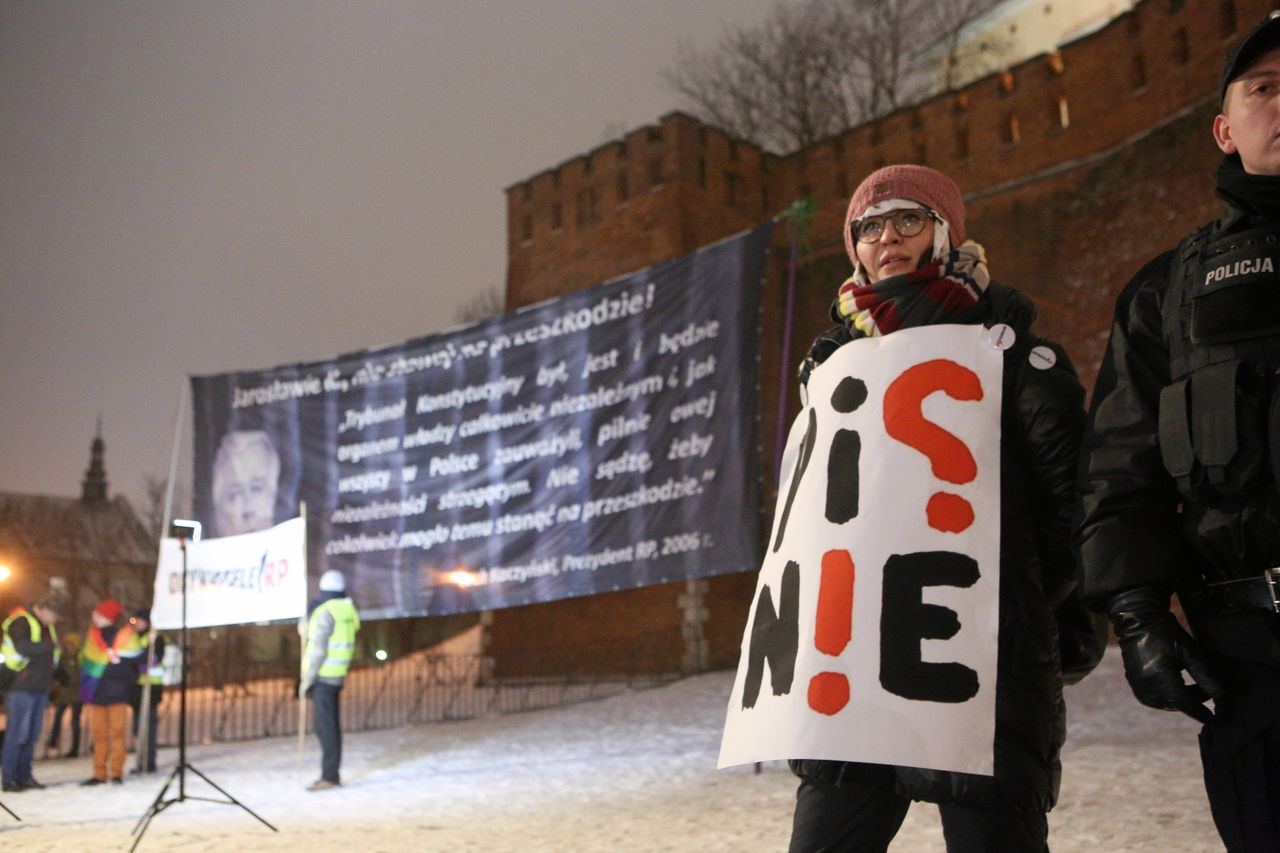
[1156, 651]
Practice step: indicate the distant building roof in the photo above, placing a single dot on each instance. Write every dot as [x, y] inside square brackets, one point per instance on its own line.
[92, 528]
[44, 527]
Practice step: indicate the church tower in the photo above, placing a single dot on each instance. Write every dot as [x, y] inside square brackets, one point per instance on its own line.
[94, 487]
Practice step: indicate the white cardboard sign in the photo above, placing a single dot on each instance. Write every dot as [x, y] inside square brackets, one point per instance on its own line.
[233, 580]
[872, 636]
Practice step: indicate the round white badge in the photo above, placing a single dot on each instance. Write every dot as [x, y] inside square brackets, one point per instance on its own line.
[1001, 336]
[1042, 357]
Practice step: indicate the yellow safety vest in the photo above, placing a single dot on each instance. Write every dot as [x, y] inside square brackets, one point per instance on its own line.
[12, 659]
[155, 674]
[342, 642]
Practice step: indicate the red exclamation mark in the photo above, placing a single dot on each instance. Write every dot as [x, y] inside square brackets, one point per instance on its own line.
[829, 691]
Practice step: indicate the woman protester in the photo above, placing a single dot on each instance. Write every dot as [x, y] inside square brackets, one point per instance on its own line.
[912, 268]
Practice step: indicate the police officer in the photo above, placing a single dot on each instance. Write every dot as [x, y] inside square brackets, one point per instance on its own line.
[30, 652]
[330, 645]
[1181, 462]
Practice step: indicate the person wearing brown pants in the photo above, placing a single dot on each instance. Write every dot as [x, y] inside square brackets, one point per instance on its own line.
[110, 662]
[108, 724]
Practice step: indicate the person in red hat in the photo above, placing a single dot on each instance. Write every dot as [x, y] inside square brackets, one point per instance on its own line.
[110, 662]
[913, 268]
[1180, 484]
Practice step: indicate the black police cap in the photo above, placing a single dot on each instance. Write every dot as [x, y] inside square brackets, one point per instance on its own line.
[1263, 37]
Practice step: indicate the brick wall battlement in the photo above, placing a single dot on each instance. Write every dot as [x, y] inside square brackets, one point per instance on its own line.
[665, 189]
[1077, 168]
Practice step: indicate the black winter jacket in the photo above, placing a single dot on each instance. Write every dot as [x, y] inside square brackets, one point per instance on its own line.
[1136, 528]
[37, 675]
[1042, 419]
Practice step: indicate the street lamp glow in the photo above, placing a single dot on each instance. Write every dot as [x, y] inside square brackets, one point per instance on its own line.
[380, 654]
[4, 573]
[462, 577]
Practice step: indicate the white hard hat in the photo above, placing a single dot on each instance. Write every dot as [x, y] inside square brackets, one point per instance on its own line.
[333, 581]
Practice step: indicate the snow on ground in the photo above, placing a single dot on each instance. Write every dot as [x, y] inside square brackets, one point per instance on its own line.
[630, 773]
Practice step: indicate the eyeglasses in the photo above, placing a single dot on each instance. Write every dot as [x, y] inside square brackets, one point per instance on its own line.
[907, 223]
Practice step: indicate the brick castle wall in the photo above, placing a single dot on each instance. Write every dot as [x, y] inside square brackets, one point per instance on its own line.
[1077, 168]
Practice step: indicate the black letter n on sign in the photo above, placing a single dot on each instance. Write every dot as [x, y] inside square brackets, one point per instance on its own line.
[775, 637]
[905, 620]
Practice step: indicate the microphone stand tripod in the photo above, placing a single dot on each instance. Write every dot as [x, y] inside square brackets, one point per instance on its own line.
[180, 772]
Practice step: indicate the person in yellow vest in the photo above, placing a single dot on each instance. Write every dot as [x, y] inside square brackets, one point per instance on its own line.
[331, 643]
[151, 671]
[31, 651]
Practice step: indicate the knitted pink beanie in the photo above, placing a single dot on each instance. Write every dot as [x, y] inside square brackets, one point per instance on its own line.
[917, 183]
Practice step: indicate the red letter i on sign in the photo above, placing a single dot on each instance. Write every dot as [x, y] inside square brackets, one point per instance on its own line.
[829, 691]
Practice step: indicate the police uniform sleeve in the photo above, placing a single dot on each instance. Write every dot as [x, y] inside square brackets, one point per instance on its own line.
[1128, 533]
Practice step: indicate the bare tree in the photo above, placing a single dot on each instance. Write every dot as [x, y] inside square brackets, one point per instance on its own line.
[154, 491]
[814, 68]
[961, 59]
[783, 84]
[482, 306]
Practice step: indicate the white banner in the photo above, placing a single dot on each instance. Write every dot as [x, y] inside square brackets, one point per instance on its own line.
[254, 577]
[872, 636]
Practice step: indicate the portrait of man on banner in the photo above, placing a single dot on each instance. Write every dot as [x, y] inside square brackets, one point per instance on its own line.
[247, 457]
[246, 477]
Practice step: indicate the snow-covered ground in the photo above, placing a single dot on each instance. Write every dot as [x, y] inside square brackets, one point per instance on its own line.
[630, 773]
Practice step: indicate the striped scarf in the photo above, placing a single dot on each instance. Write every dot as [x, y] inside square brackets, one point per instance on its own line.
[96, 656]
[942, 291]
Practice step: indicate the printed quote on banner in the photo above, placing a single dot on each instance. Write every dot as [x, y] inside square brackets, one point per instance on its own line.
[872, 636]
[600, 441]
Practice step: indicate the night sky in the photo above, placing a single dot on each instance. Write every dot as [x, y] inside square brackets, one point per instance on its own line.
[188, 188]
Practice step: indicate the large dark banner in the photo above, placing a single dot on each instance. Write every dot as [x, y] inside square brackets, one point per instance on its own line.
[597, 442]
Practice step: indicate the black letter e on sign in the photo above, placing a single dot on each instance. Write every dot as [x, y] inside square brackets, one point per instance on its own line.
[905, 620]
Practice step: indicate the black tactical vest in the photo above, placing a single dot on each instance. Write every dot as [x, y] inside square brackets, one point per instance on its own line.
[1221, 324]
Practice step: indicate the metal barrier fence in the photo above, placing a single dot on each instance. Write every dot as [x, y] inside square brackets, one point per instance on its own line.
[416, 689]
